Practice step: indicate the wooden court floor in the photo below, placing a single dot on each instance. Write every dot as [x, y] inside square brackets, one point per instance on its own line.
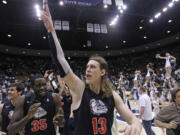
[122, 124]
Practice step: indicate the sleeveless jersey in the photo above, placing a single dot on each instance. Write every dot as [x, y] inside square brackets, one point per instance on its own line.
[95, 115]
[7, 112]
[42, 122]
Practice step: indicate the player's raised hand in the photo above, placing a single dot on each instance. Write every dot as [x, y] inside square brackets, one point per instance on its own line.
[46, 18]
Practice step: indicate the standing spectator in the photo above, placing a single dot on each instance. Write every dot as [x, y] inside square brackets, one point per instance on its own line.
[145, 111]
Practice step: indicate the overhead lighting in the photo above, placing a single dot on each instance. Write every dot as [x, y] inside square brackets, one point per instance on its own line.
[106, 46]
[105, 6]
[44, 37]
[151, 20]
[9, 35]
[124, 41]
[169, 21]
[171, 4]
[140, 27]
[117, 16]
[124, 7]
[29, 44]
[84, 46]
[145, 37]
[38, 11]
[168, 31]
[119, 7]
[165, 9]
[36, 6]
[121, 11]
[4, 2]
[69, 58]
[61, 3]
[114, 21]
[157, 15]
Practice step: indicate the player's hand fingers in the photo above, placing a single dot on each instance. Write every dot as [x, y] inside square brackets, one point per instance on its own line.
[127, 130]
[122, 130]
[47, 9]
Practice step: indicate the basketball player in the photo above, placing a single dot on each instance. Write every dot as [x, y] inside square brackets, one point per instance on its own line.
[37, 111]
[94, 98]
[7, 109]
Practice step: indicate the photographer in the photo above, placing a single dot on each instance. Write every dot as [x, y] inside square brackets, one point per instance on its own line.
[169, 116]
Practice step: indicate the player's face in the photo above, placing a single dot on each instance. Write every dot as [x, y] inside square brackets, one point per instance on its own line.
[93, 72]
[40, 86]
[12, 93]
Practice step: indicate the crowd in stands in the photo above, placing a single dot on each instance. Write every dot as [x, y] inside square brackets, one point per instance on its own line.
[14, 68]
[121, 73]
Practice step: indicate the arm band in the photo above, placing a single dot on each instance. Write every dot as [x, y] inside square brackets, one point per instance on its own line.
[58, 55]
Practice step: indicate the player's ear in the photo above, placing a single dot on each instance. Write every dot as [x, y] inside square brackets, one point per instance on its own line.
[103, 72]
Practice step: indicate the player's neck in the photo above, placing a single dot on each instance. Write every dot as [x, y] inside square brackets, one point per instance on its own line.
[14, 101]
[95, 88]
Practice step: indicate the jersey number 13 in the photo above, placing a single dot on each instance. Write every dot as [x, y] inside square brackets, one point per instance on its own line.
[99, 129]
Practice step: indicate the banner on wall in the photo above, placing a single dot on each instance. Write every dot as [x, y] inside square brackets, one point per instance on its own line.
[83, 2]
[119, 3]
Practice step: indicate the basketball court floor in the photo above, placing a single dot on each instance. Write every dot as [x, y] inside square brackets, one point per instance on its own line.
[121, 124]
